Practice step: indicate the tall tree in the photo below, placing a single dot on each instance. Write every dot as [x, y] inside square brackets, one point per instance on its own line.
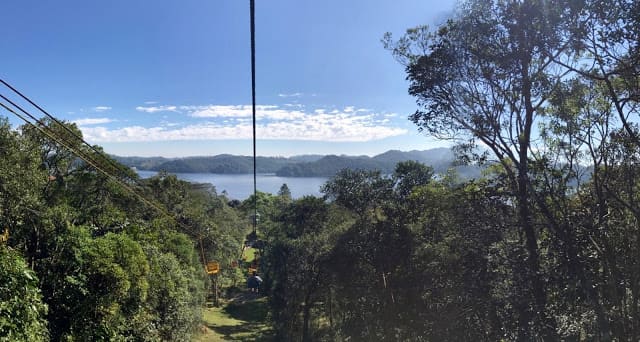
[20, 200]
[486, 76]
[297, 265]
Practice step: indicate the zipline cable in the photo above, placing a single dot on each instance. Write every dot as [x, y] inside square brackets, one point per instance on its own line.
[80, 154]
[41, 127]
[108, 159]
[114, 164]
[44, 129]
[51, 134]
[253, 108]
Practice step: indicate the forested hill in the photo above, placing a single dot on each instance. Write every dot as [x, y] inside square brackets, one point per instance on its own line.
[440, 159]
[222, 163]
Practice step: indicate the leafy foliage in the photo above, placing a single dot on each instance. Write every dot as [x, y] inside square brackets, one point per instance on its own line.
[22, 311]
[110, 267]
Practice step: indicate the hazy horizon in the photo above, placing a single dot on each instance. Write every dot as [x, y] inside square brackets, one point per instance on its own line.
[276, 156]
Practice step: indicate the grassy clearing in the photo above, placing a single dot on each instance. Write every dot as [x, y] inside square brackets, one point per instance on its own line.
[245, 318]
[249, 254]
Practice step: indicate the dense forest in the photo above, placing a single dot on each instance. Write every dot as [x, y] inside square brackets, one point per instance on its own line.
[542, 247]
[84, 259]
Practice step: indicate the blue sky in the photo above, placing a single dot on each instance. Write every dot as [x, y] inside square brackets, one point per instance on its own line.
[172, 78]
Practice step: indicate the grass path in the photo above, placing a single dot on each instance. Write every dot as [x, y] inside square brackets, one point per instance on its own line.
[243, 318]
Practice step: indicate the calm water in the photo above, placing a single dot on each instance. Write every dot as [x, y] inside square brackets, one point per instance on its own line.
[241, 186]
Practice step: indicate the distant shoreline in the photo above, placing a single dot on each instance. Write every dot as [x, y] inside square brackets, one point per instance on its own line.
[261, 174]
[440, 159]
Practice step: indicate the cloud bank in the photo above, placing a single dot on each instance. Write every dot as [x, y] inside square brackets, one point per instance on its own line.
[227, 122]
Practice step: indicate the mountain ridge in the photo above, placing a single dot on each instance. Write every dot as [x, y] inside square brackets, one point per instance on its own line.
[313, 165]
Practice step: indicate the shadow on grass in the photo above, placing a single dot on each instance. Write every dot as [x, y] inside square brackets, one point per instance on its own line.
[251, 319]
[249, 311]
[244, 332]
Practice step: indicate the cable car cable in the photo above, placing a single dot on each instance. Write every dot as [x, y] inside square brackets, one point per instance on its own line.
[83, 155]
[51, 134]
[43, 128]
[253, 110]
[102, 154]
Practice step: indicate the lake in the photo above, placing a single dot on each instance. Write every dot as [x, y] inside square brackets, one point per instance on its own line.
[241, 186]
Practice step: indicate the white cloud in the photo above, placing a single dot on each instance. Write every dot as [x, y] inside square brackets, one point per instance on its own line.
[92, 121]
[154, 109]
[269, 112]
[101, 108]
[139, 133]
[291, 95]
[312, 131]
[219, 111]
[226, 122]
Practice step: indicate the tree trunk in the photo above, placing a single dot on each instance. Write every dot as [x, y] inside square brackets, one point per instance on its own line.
[306, 317]
[534, 275]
